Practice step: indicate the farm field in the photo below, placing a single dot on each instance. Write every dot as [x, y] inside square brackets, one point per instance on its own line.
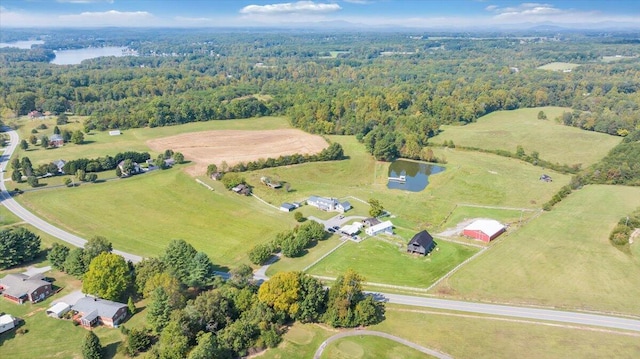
[208, 147]
[464, 213]
[558, 66]
[383, 262]
[368, 347]
[468, 336]
[220, 223]
[556, 143]
[562, 258]
[100, 143]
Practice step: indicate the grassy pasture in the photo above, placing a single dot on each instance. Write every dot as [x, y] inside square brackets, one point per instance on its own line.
[383, 262]
[285, 264]
[505, 130]
[562, 259]
[558, 66]
[505, 216]
[100, 143]
[143, 213]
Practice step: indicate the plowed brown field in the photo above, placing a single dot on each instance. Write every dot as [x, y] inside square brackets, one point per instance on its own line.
[233, 146]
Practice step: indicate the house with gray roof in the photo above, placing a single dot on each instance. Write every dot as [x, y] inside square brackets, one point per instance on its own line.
[20, 288]
[92, 311]
[328, 204]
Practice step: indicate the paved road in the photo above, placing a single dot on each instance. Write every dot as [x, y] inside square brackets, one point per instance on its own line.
[357, 333]
[29, 217]
[509, 311]
[515, 312]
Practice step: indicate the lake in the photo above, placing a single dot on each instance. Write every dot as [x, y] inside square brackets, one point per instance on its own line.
[21, 44]
[75, 57]
[415, 174]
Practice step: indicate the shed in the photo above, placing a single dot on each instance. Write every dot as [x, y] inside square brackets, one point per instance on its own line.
[7, 322]
[115, 133]
[484, 230]
[421, 243]
[351, 229]
[287, 207]
[58, 310]
[56, 141]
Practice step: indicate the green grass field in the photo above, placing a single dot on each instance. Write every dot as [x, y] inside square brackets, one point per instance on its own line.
[285, 264]
[100, 143]
[467, 336]
[505, 130]
[558, 66]
[383, 262]
[143, 213]
[369, 347]
[505, 216]
[562, 258]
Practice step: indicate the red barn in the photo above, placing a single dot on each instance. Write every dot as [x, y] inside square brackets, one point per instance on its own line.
[484, 230]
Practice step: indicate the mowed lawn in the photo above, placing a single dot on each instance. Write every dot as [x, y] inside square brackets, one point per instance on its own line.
[370, 347]
[505, 130]
[463, 336]
[387, 263]
[100, 143]
[142, 214]
[558, 66]
[562, 258]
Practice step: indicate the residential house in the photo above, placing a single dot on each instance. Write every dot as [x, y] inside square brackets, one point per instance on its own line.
[35, 114]
[484, 230]
[93, 311]
[242, 189]
[370, 221]
[19, 288]
[136, 169]
[56, 141]
[7, 322]
[421, 243]
[60, 164]
[383, 227]
[328, 204]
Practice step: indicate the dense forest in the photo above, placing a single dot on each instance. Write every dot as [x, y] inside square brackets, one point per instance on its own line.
[391, 90]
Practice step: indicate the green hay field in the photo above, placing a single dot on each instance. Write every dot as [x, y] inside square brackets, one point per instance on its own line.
[558, 66]
[505, 130]
[562, 258]
[383, 262]
[143, 213]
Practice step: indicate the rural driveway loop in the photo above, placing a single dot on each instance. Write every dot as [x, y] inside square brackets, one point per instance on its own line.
[356, 333]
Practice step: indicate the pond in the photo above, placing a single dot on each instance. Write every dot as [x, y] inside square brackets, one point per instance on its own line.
[21, 44]
[75, 57]
[410, 175]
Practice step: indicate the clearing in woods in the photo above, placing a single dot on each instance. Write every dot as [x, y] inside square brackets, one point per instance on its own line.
[234, 146]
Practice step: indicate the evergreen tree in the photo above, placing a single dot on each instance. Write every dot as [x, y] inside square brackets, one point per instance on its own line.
[158, 310]
[58, 255]
[91, 348]
[17, 245]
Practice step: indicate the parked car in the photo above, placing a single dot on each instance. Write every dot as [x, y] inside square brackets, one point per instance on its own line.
[331, 230]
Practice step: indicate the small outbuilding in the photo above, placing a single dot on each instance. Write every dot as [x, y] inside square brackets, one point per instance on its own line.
[115, 133]
[422, 243]
[56, 141]
[58, 310]
[287, 207]
[352, 229]
[7, 322]
[484, 230]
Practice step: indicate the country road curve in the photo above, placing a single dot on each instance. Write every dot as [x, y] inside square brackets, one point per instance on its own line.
[356, 333]
[29, 217]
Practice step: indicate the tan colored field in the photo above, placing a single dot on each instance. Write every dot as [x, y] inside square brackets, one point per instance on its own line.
[234, 146]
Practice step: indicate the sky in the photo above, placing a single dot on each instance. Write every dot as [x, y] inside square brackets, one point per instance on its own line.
[310, 13]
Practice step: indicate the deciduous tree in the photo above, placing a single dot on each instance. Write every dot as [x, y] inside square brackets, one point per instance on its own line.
[108, 277]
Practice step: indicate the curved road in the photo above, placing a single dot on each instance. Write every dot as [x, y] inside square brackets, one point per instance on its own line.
[29, 217]
[355, 333]
[491, 309]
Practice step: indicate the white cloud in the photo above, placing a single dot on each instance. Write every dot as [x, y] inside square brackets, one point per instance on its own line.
[491, 7]
[109, 18]
[300, 7]
[359, 2]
